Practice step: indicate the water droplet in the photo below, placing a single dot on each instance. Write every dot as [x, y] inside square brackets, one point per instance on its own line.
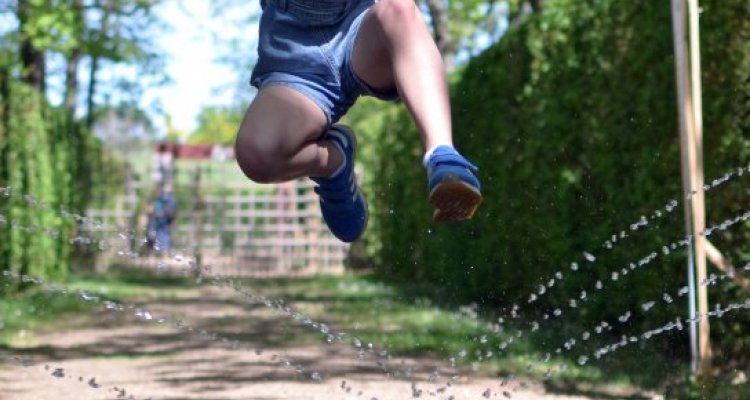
[88, 297]
[625, 317]
[143, 315]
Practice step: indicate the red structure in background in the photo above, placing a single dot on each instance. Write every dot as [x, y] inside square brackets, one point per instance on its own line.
[195, 151]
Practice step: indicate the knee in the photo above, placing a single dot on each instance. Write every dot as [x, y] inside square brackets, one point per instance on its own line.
[258, 159]
[399, 14]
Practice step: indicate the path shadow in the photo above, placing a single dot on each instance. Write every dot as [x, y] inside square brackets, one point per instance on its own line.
[190, 361]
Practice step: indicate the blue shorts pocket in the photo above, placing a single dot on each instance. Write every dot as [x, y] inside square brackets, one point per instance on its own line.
[318, 12]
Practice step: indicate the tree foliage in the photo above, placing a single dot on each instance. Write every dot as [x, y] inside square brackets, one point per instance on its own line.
[51, 161]
[217, 125]
[117, 32]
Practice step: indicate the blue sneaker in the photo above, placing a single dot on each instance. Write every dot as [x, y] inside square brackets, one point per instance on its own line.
[341, 201]
[453, 185]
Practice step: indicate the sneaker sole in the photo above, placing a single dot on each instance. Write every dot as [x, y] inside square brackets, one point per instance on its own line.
[454, 200]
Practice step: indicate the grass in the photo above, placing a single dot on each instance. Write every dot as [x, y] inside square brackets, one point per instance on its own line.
[39, 308]
[34, 310]
[410, 321]
[405, 320]
[418, 320]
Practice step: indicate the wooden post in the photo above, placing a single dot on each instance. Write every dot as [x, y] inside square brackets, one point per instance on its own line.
[197, 220]
[313, 224]
[699, 209]
[691, 137]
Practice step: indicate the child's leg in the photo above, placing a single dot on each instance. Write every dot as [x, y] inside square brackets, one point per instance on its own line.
[282, 137]
[279, 138]
[395, 49]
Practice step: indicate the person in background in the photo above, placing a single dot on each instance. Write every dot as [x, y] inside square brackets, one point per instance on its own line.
[161, 219]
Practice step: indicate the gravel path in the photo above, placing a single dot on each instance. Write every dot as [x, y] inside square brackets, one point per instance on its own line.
[108, 355]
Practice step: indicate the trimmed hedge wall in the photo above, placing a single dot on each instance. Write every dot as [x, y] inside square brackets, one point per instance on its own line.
[572, 121]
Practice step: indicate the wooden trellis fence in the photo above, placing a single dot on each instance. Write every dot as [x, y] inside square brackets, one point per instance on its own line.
[239, 230]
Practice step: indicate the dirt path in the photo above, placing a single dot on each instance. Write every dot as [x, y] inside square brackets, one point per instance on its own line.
[149, 360]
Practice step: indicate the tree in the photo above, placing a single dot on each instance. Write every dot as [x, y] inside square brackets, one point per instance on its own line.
[122, 127]
[33, 69]
[73, 59]
[217, 125]
[456, 25]
[44, 151]
[121, 32]
[115, 32]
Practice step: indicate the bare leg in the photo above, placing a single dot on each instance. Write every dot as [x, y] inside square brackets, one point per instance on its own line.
[394, 49]
[279, 138]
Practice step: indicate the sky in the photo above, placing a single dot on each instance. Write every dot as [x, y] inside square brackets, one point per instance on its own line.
[192, 47]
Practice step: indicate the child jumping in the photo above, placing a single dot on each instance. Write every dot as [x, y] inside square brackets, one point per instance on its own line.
[315, 58]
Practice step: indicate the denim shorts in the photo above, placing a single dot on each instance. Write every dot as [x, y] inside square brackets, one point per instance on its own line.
[307, 45]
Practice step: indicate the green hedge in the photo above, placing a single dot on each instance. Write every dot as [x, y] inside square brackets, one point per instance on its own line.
[572, 121]
[55, 160]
